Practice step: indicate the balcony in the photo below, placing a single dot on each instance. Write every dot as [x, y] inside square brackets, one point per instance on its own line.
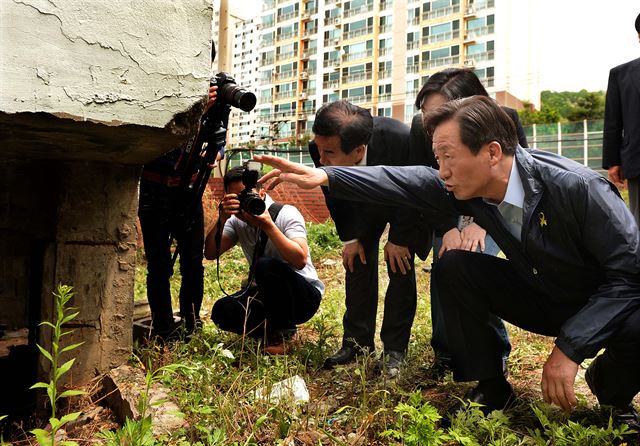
[360, 99]
[386, 97]
[413, 21]
[441, 12]
[488, 82]
[386, 28]
[383, 74]
[480, 57]
[469, 12]
[331, 20]
[310, 11]
[333, 85]
[279, 2]
[441, 62]
[302, 116]
[358, 32]
[264, 100]
[265, 80]
[332, 42]
[281, 37]
[304, 75]
[312, 71]
[265, 43]
[414, 68]
[355, 56]
[267, 60]
[386, 4]
[412, 93]
[283, 115]
[285, 75]
[266, 25]
[361, 10]
[440, 37]
[385, 51]
[285, 95]
[473, 33]
[331, 63]
[356, 77]
[413, 45]
[287, 16]
[309, 32]
[484, 4]
[284, 56]
[268, 4]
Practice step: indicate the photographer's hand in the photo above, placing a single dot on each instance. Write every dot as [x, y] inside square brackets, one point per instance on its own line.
[213, 94]
[472, 237]
[229, 206]
[304, 177]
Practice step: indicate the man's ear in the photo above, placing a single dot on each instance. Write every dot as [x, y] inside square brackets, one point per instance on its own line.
[360, 151]
[495, 152]
[262, 192]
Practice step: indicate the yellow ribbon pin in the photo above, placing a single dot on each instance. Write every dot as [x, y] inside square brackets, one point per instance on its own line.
[542, 219]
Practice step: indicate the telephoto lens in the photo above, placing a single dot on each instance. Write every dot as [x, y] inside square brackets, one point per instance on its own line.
[230, 93]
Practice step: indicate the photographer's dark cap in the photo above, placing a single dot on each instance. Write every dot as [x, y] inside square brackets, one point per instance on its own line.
[638, 24]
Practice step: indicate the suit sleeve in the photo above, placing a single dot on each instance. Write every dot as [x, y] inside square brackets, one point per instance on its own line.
[598, 206]
[612, 134]
[415, 187]
[420, 151]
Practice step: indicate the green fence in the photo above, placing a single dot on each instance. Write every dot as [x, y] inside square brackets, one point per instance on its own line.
[579, 141]
[296, 154]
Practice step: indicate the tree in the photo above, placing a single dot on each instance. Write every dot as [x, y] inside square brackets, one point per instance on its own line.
[565, 106]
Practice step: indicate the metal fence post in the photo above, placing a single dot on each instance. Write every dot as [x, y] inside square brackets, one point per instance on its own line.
[585, 148]
[559, 138]
[535, 137]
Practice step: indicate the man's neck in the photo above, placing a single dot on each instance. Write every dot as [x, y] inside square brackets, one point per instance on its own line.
[497, 189]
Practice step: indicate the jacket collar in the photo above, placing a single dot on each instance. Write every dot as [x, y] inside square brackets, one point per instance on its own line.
[528, 173]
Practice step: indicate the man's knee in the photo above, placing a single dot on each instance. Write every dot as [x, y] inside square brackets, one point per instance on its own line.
[450, 266]
[222, 311]
[268, 266]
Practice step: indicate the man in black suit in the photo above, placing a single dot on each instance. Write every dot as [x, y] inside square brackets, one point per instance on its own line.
[347, 135]
[621, 137]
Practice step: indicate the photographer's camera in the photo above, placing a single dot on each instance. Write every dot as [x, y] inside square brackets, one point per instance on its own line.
[230, 93]
[251, 201]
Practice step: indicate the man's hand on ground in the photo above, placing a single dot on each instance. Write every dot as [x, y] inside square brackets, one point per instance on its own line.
[558, 376]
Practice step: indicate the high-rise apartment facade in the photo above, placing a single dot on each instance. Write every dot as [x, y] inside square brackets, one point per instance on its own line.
[378, 54]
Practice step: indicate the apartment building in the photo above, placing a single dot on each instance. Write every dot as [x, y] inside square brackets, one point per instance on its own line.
[378, 54]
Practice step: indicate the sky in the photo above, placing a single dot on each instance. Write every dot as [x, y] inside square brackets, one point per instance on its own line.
[580, 40]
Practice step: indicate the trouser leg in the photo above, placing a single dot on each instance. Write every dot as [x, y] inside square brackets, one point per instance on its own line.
[240, 314]
[615, 375]
[190, 246]
[361, 297]
[399, 308]
[287, 298]
[478, 288]
[439, 341]
[155, 226]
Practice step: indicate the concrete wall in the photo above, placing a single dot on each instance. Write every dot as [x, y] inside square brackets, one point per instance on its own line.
[90, 90]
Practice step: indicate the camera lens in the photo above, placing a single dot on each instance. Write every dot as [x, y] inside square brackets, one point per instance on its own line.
[238, 97]
[254, 205]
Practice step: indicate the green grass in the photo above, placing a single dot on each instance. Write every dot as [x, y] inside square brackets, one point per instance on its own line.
[351, 405]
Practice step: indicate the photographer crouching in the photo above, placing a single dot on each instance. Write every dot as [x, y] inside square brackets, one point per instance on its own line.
[283, 287]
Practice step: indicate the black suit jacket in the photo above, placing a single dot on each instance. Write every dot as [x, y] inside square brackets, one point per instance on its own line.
[389, 146]
[621, 136]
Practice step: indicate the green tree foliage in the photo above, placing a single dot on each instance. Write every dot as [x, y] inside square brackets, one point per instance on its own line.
[565, 106]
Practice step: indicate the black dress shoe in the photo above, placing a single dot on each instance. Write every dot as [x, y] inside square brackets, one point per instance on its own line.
[628, 416]
[346, 355]
[494, 397]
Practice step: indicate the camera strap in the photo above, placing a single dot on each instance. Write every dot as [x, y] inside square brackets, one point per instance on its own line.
[274, 210]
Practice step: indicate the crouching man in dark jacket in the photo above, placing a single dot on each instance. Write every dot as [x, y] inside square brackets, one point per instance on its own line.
[573, 249]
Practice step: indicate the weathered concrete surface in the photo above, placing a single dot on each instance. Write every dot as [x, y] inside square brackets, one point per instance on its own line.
[124, 387]
[101, 81]
[114, 61]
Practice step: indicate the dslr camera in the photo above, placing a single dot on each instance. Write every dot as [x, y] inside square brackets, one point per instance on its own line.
[230, 93]
[250, 201]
